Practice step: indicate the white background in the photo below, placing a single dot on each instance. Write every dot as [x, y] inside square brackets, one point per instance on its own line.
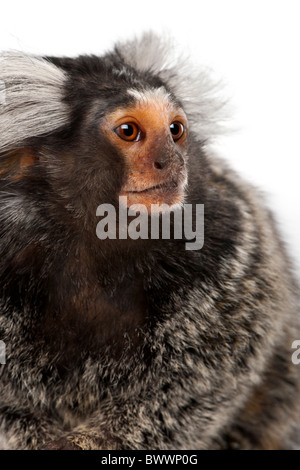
[253, 46]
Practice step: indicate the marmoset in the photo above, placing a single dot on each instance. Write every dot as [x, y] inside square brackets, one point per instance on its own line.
[128, 342]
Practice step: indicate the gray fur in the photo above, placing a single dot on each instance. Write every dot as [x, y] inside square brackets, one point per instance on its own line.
[213, 370]
[31, 104]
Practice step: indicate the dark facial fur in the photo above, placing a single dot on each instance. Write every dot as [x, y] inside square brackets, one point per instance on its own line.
[123, 344]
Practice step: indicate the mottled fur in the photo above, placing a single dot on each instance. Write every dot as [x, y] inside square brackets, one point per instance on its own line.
[134, 344]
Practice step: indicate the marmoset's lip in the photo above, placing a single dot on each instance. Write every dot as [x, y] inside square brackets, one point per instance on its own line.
[168, 185]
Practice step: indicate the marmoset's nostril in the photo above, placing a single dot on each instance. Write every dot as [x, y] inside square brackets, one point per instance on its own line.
[158, 165]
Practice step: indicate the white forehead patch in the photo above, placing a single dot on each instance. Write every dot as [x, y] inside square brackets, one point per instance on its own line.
[151, 94]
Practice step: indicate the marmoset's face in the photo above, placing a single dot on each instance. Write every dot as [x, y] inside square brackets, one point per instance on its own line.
[151, 135]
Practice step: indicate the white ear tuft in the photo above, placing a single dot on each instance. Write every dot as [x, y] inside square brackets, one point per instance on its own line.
[31, 92]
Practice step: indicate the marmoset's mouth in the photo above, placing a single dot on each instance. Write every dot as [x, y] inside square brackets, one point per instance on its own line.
[168, 193]
[168, 185]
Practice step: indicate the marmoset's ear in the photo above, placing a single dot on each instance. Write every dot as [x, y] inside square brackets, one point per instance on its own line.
[14, 163]
[31, 105]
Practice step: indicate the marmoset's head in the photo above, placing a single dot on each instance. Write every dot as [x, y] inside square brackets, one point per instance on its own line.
[90, 129]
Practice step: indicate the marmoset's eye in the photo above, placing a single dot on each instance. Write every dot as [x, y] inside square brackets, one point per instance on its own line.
[128, 131]
[177, 130]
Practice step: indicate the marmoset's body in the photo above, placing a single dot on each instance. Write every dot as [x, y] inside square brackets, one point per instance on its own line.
[134, 344]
